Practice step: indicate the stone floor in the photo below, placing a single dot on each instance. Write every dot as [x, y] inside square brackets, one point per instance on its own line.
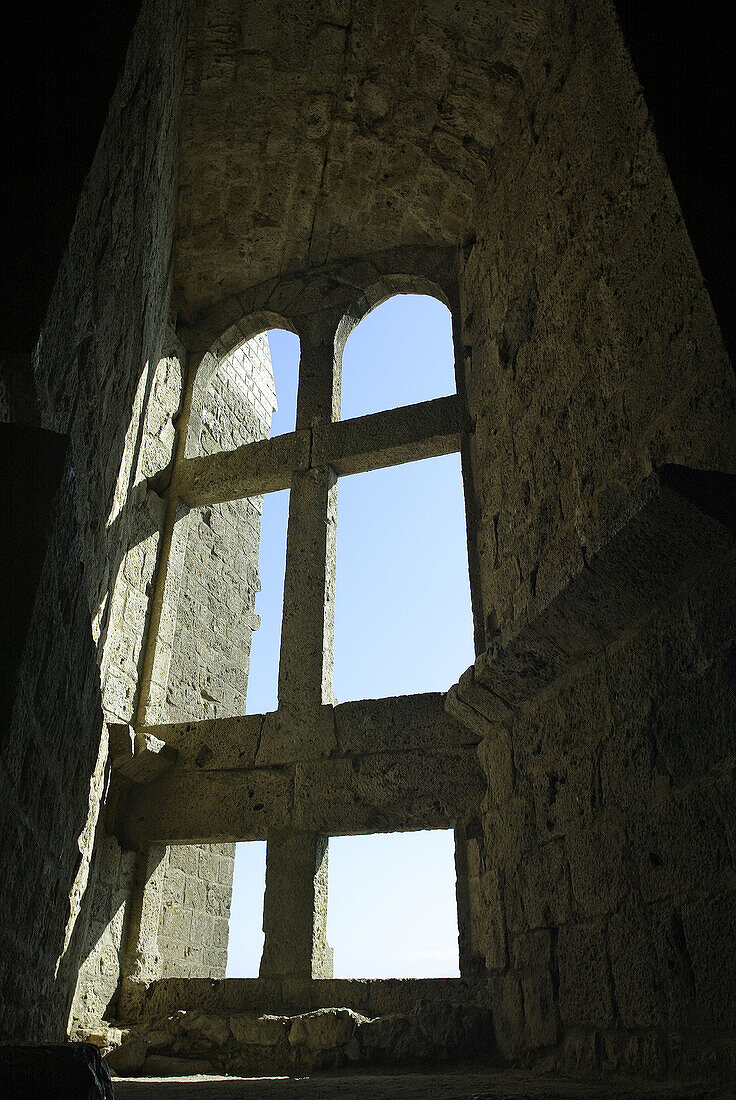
[410, 1086]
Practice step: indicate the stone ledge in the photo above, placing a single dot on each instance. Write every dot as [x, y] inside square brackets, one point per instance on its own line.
[322, 1038]
[678, 520]
[290, 997]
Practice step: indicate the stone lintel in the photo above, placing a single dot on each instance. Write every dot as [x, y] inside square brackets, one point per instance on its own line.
[380, 792]
[389, 438]
[675, 523]
[371, 997]
[403, 723]
[425, 430]
[255, 468]
[392, 764]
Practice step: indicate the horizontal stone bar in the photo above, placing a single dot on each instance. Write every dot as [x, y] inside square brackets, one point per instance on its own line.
[371, 997]
[381, 792]
[388, 792]
[677, 521]
[388, 764]
[408, 723]
[373, 442]
[255, 468]
[405, 723]
[196, 807]
[424, 430]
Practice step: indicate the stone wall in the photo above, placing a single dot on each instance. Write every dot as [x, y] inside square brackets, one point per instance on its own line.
[602, 886]
[5, 416]
[592, 350]
[103, 332]
[50, 749]
[193, 935]
[118, 629]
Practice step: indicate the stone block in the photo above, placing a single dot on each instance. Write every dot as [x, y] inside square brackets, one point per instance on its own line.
[215, 1029]
[266, 1031]
[600, 870]
[585, 992]
[176, 923]
[508, 1015]
[324, 1029]
[127, 1059]
[195, 895]
[184, 857]
[202, 928]
[580, 1052]
[643, 1053]
[220, 933]
[401, 724]
[709, 926]
[680, 846]
[214, 962]
[633, 968]
[540, 1010]
[542, 888]
[162, 1065]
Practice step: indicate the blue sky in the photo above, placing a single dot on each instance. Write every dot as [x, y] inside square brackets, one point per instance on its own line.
[402, 625]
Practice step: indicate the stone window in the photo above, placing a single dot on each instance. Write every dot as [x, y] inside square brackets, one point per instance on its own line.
[313, 769]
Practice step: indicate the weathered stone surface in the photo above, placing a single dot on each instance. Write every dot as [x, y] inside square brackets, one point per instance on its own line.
[405, 723]
[324, 1029]
[265, 1031]
[160, 1065]
[501, 157]
[127, 1059]
[295, 907]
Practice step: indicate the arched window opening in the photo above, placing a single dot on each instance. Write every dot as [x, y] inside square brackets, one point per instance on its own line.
[399, 354]
[391, 588]
[215, 583]
[392, 911]
[403, 620]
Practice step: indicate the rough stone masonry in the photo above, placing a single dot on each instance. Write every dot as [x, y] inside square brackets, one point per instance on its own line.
[293, 165]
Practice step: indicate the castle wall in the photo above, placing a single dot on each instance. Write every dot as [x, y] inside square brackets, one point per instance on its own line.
[104, 327]
[602, 887]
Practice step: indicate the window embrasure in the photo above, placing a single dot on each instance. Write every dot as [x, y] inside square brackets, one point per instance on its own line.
[331, 758]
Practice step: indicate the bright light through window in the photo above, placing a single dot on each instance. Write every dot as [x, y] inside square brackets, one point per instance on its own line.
[392, 911]
[245, 944]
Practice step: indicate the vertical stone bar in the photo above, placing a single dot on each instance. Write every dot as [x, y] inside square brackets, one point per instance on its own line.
[295, 907]
[318, 400]
[140, 961]
[305, 663]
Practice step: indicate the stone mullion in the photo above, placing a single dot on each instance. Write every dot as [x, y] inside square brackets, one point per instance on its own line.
[306, 658]
[295, 907]
[295, 902]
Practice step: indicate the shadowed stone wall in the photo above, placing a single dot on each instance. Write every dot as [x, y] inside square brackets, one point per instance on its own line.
[597, 880]
[104, 328]
[604, 878]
